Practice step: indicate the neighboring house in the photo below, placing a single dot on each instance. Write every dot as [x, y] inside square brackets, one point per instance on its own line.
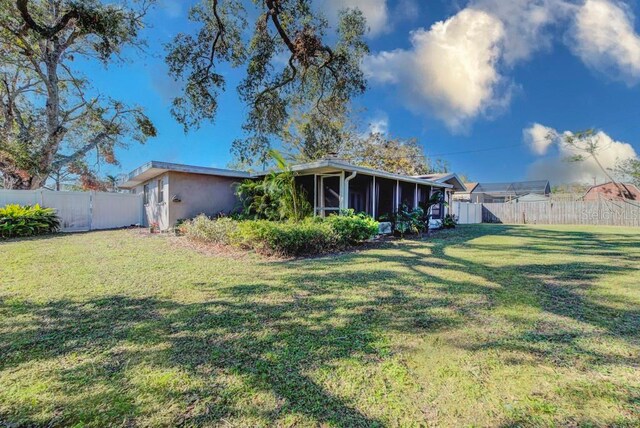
[465, 195]
[611, 191]
[532, 197]
[505, 192]
[446, 178]
[173, 191]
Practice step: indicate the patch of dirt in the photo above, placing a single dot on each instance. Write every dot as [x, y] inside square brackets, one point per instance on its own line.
[228, 251]
[208, 249]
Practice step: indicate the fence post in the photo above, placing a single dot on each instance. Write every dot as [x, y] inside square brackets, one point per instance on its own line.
[91, 197]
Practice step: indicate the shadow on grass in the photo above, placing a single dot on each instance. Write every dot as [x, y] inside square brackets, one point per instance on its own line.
[262, 344]
[323, 314]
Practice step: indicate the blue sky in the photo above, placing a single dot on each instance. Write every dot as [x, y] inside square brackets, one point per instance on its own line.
[478, 83]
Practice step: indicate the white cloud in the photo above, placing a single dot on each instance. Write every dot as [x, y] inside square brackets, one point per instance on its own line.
[539, 138]
[526, 23]
[603, 36]
[375, 11]
[459, 69]
[379, 124]
[555, 167]
[451, 69]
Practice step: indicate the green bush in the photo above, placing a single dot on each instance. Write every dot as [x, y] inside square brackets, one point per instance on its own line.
[352, 228]
[449, 222]
[21, 221]
[204, 229]
[307, 237]
[411, 221]
[275, 197]
[291, 239]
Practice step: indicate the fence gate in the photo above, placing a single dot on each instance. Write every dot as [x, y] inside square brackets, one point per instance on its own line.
[73, 209]
[467, 212]
[82, 211]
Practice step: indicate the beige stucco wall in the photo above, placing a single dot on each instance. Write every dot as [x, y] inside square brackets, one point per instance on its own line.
[154, 211]
[199, 194]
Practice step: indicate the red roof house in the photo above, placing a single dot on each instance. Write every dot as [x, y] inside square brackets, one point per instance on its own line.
[613, 192]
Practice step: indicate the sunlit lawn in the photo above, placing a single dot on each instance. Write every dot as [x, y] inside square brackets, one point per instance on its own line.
[481, 326]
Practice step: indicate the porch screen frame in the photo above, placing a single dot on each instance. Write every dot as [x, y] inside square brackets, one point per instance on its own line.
[319, 208]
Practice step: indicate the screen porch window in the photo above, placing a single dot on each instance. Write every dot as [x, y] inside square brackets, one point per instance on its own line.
[329, 197]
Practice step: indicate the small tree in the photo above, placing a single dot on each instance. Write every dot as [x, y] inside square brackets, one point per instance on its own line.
[276, 196]
[629, 168]
[587, 145]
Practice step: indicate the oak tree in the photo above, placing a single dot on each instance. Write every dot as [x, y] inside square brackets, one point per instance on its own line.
[50, 115]
[295, 63]
[397, 155]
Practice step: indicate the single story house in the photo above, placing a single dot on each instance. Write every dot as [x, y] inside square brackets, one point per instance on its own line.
[446, 178]
[532, 197]
[174, 191]
[465, 195]
[612, 192]
[504, 192]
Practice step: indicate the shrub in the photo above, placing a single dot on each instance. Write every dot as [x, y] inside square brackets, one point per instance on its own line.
[291, 239]
[275, 197]
[20, 221]
[410, 221]
[449, 222]
[351, 228]
[204, 229]
[303, 238]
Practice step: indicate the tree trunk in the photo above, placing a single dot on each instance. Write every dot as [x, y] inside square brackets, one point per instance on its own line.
[16, 181]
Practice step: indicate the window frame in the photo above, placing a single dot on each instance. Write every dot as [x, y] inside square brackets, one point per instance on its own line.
[160, 190]
[145, 193]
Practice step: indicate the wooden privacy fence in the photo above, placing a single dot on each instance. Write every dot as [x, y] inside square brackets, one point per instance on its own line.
[601, 212]
[82, 211]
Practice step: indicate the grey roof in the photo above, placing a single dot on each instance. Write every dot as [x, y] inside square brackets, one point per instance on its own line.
[447, 177]
[514, 188]
[327, 165]
[434, 176]
[154, 168]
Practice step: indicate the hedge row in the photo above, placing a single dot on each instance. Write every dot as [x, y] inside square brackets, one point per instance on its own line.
[291, 239]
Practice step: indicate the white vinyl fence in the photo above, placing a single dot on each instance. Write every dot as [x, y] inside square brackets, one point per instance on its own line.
[467, 212]
[82, 211]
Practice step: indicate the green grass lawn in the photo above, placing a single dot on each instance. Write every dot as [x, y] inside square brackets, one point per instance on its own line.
[487, 325]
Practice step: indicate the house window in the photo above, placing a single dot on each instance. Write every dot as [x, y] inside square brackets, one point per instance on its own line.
[145, 190]
[435, 211]
[161, 191]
